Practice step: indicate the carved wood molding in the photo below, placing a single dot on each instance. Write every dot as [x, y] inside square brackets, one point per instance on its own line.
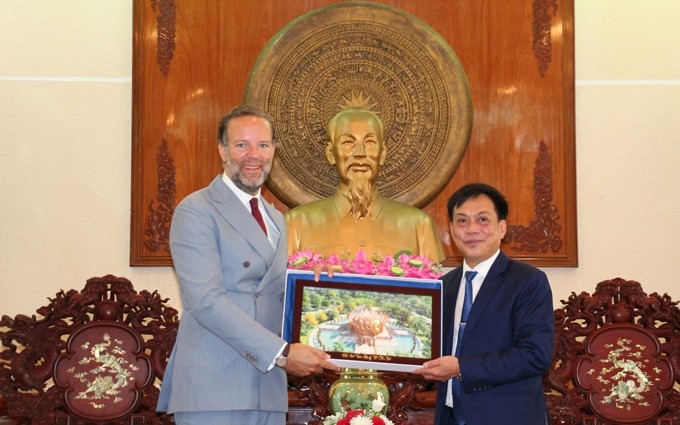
[165, 33]
[157, 233]
[542, 32]
[543, 232]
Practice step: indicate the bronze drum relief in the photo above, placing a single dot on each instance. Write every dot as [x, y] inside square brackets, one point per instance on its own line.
[373, 56]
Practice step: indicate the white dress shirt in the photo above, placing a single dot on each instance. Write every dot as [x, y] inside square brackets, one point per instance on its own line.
[272, 232]
[482, 270]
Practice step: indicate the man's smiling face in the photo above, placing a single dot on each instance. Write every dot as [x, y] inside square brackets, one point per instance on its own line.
[476, 230]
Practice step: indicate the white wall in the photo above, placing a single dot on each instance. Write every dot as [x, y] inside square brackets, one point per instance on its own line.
[65, 125]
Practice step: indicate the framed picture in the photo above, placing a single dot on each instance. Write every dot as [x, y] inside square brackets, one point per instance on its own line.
[368, 322]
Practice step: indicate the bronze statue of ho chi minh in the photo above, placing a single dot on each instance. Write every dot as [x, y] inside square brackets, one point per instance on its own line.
[357, 217]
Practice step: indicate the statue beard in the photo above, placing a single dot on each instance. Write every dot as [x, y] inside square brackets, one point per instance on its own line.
[360, 196]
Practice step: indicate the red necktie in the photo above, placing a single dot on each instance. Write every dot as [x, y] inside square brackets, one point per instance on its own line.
[255, 210]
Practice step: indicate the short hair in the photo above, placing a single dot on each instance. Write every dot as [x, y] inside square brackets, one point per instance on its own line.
[330, 130]
[241, 111]
[473, 190]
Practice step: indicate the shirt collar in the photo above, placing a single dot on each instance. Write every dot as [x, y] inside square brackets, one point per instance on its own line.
[483, 267]
[242, 196]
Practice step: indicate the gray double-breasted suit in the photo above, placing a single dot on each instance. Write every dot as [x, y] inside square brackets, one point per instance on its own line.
[232, 286]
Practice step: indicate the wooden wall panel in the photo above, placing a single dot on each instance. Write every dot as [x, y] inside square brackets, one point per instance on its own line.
[191, 62]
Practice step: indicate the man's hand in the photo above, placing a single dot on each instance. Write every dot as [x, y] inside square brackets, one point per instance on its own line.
[441, 369]
[318, 268]
[304, 360]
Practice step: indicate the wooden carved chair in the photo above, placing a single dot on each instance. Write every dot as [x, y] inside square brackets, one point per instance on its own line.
[94, 356]
[616, 358]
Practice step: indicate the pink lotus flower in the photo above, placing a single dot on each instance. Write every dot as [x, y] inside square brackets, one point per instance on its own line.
[403, 264]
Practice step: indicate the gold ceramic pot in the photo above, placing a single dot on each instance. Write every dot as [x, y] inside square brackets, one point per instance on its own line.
[357, 389]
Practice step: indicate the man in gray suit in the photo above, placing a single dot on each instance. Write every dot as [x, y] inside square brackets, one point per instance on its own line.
[229, 363]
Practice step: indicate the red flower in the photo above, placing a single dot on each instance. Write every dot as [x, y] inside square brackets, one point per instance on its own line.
[349, 416]
[378, 421]
[353, 414]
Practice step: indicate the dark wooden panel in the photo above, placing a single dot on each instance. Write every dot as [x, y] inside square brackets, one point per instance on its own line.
[191, 62]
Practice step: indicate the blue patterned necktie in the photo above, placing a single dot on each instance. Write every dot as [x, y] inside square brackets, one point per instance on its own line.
[467, 305]
[455, 383]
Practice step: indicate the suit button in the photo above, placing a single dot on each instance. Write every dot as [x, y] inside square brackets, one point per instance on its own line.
[246, 264]
[258, 294]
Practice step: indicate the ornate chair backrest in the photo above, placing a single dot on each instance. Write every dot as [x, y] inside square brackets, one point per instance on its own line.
[616, 358]
[91, 357]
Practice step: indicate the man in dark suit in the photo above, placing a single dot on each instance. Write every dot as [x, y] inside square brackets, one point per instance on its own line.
[497, 350]
[229, 363]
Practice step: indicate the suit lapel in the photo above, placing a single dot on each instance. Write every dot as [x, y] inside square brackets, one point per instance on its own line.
[276, 217]
[280, 254]
[234, 212]
[491, 283]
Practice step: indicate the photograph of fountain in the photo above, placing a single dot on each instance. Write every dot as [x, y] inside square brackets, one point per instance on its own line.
[385, 323]
[361, 322]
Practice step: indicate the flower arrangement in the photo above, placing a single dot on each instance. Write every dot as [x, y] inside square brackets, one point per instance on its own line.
[370, 416]
[402, 264]
[357, 417]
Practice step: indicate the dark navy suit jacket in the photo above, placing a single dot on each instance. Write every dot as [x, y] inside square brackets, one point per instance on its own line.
[506, 348]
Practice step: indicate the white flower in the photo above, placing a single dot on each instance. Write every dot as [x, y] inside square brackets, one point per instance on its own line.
[361, 420]
[332, 420]
[378, 404]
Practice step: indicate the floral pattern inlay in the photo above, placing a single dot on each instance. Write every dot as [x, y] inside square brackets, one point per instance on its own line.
[623, 370]
[110, 371]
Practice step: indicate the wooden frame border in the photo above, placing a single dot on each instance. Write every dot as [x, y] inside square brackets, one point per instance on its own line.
[177, 100]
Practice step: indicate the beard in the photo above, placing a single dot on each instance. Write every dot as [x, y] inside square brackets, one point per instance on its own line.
[250, 186]
[360, 196]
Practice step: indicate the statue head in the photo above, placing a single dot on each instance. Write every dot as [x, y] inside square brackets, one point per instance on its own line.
[356, 147]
